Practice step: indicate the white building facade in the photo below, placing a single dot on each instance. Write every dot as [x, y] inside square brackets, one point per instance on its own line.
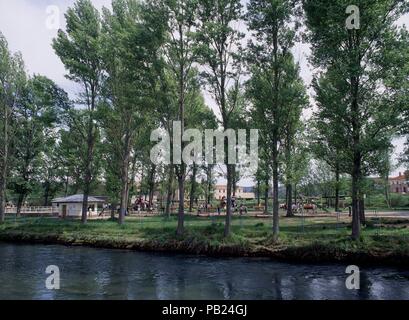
[71, 207]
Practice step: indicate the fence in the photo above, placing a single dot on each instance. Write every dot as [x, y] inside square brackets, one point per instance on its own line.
[32, 211]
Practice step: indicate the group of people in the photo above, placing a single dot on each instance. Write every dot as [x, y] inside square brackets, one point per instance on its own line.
[242, 209]
[138, 206]
[142, 205]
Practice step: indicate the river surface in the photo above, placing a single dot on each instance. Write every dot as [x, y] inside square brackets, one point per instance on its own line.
[87, 273]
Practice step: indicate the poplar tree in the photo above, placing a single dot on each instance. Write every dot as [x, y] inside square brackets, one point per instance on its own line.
[275, 86]
[79, 48]
[36, 120]
[358, 54]
[179, 55]
[12, 81]
[131, 43]
[220, 48]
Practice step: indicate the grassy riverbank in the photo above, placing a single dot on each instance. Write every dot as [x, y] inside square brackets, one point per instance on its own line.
[315, 239]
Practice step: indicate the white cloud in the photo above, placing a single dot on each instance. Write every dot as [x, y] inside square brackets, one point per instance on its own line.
[23, 23]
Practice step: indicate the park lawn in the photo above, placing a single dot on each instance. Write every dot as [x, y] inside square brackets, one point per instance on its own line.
[313, 239]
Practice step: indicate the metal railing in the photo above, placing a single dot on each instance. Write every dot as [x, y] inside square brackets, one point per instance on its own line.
[31, 211]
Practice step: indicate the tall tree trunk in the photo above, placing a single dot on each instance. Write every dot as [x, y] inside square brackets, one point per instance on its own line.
[2, 198]
[337, 189]
[193, 188]
[356, 225]
[276, 217]
[266, 191]
[275, 136]
[123, 203]
[46, 193]
[84, 216]
[20, 202]
[182, 169]
[169, 190]
[90, 155]
[125, 178]
[209, 195]
[124, 193]
[258, 193]
[356, 132]
[113, 210]
[152, 185]
[386, 188]
[289, 200]
[88, 172]
[230, 172]
[234, 184]
[207, 190]
[140, 184]
[66, 182]
[132, 186]
[288, 187]
[181, 214]
[3, 167]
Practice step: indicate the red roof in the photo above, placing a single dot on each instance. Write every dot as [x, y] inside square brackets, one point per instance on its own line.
[401, 177]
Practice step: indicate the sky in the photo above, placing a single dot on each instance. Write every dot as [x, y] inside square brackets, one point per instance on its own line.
[26, 26]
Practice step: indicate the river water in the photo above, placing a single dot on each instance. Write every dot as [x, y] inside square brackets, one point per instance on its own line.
[87, 273]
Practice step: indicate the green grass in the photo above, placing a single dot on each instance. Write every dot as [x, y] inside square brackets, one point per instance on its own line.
[318, 236]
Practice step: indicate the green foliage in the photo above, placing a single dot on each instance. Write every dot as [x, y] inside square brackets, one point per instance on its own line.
[359, 99]
[79, 48]
[130, 53]
[219, 50]
[144, 64]
[36, 120]
[399, 201]
[12, 81]
[275, 89]
[343, 55]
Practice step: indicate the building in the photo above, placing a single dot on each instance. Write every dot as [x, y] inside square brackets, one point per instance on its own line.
[399, 184]
[220, 191]
[72, 206]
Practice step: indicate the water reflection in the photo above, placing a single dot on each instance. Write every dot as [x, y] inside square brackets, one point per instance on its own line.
[109, 274]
